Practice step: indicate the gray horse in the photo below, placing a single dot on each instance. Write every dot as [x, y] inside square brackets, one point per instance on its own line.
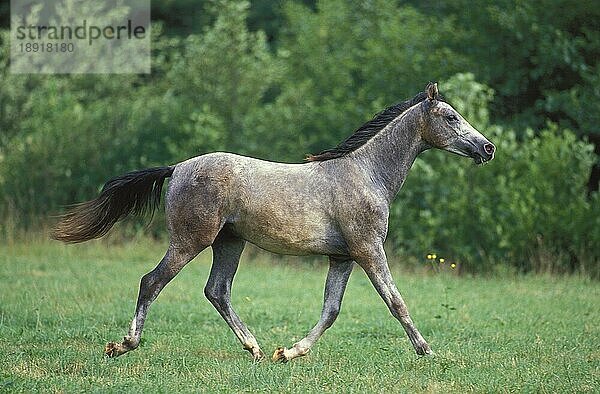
[336, 204]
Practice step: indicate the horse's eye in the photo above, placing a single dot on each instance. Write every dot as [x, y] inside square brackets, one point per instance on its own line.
[452, 118]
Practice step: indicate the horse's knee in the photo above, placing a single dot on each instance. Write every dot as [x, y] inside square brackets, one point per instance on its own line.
[216, 295]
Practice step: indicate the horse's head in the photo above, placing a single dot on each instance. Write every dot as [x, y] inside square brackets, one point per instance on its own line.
[445, 128]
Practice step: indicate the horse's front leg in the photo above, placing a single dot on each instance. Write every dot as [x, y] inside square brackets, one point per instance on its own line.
[337, 278]
[374, 262]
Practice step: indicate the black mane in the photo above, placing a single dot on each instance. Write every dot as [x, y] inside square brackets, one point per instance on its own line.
[365, 132]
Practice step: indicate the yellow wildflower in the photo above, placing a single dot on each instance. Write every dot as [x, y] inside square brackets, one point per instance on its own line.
[442, 261]
[453, 265]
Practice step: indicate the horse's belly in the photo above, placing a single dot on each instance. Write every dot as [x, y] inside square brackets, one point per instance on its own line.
[299, 239]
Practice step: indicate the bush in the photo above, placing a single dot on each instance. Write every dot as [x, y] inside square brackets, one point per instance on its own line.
[72, 133]
[527, 208]
[62, 137]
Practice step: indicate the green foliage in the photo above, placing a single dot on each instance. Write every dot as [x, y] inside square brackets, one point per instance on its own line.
[541, 57]
[66, 135]
[70, 137]
[528, 208]
[321, 70]
[222, 77]
[14, 90]
[347, 60]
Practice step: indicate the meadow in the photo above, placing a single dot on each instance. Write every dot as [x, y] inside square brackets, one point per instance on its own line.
[60, 304]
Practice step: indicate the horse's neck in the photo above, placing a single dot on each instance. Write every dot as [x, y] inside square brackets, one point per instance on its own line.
[389, 155]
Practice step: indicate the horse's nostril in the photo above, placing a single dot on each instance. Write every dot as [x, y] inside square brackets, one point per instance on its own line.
[489, 148]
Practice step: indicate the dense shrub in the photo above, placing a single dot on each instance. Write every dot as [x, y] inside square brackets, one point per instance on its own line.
[336, 64]
[527, 208]
[347, 60]
[66, 135]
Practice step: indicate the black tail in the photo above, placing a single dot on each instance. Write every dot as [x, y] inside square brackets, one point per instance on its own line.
[136, 192]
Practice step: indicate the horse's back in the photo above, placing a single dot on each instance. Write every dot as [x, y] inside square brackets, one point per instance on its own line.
[284, 208]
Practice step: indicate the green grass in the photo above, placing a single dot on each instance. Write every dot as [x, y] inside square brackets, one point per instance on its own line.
[60, 304]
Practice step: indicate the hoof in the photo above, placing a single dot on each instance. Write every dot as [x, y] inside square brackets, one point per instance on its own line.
[283, 354]
[257, 355]
[113, 349]
[255, 351]
[423, 350]
[279, 355]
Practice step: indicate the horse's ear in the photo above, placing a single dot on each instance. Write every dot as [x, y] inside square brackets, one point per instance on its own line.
[432, 91]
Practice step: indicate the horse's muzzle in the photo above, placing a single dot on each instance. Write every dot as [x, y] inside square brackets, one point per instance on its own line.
[477, 148]
[484, 153]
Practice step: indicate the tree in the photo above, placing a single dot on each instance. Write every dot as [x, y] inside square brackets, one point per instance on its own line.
[347, 60]
[222, 76]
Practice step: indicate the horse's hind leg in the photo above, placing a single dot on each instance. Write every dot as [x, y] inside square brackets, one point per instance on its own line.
[150, 286]
[227, 250]
[337, 278]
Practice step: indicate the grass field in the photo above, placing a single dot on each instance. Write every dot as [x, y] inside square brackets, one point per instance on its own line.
[59, 305]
